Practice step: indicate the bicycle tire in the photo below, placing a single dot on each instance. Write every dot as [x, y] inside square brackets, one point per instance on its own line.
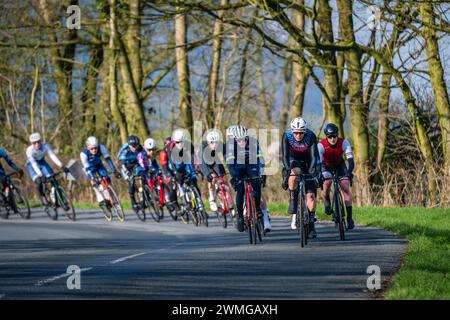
[200, 207]
[65, 203]
[150, 198]
[341, 215]
[170, 206]
[116, 205]
[107, 213]
[300, 219]
[51, 210]
[4, 213]
[17, 197]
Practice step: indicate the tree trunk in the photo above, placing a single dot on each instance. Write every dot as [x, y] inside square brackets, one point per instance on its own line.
[285, 109]
[437, 77]
[62, 73]
[119, 118]
[329, 65]
[183, 72]
[299, 70]
[132, 42]
[359, 112]
[215, 68]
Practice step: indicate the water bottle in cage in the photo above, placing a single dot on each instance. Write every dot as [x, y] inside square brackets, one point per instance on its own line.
[141, 194]
[53, 194]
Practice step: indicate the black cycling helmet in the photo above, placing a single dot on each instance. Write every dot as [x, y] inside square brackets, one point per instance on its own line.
[133, 141]
[331, 130]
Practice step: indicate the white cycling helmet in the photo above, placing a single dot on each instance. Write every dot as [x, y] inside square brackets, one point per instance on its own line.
[230, 131]
[178, 135]
[240, 132]
[92, 142]
[35, 137]
[149, 144]
[213, 136]
[299, 125]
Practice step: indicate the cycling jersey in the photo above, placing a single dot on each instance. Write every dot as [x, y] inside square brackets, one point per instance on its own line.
[249, 155]
[210, 160]
[332, 156]
[36, 158]
[92, 162]
[130, 158]
[5, 156]
[303, 152]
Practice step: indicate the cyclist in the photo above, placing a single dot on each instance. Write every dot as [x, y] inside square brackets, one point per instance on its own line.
[210, 165]
[167, 171]
[300, 156]
[179, 162]
[331, 150]
[132, 164]
[244, 159]
[37, 166]
[3, 178]
[91, 160]
[152, 164]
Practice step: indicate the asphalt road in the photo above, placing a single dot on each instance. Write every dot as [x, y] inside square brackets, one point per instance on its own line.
[170, 260]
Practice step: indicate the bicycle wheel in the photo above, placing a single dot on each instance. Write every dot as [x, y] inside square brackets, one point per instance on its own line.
[200, 208]
[171, 207]
[20, 203]
[51, 209]
[221, 208]
[300, 220]
[4, 212]
[150, 203]
[107, 211]
[65, 203]
[116, 206]
[340, 215]
[232, 210]
[189, 199]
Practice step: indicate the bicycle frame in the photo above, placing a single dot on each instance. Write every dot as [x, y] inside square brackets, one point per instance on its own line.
[219, 183]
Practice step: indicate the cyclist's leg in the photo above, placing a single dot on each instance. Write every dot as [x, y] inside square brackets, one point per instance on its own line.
[132, 189]
[295, 170]
[326, 172]
[311, 193]
[345, 187]
[253, 171]
[38, 183]
[240, 194]
[102, 172]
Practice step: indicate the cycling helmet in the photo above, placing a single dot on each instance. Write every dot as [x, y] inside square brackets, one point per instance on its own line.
[299, 125]
[213, 136]
[92, 142]
[133, 141]
[178, 135]
[149, 144]
[240, 132]
[331, 130]
[35, 137]
[230, 130]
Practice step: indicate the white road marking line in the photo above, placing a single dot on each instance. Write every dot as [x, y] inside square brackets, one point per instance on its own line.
[64, 275]
[128, 257]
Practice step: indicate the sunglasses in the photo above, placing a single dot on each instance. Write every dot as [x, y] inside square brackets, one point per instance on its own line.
[298, 133]
[332, 136]
[92, 148]
[37, 142]
[179, 142]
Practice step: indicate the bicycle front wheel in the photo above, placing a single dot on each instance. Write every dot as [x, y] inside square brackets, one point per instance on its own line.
[150, 203]
[66, 204]
[20, 204]
[340, 215]
[116, 206]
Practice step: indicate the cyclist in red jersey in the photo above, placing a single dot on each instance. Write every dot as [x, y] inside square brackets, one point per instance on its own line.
[331, 151]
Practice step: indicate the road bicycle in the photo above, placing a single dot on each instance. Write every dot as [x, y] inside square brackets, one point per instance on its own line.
[192, 203]
[253, 224]
[224, 201]
[112, 203]
[337, 205]
[12, 200]
[57, 198]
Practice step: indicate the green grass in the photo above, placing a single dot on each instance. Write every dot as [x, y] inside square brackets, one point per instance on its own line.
[425, 272]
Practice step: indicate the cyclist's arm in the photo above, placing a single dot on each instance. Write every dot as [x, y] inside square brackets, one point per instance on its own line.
[52, 155]
[349, 155]
[107, 157]
[285, 151]
[321, 151]
[231, 159]
[315, 158]
[33, 161]
[8, 160]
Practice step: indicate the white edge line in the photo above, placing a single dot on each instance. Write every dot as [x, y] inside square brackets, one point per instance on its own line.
[128, 257]
[64, 275]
